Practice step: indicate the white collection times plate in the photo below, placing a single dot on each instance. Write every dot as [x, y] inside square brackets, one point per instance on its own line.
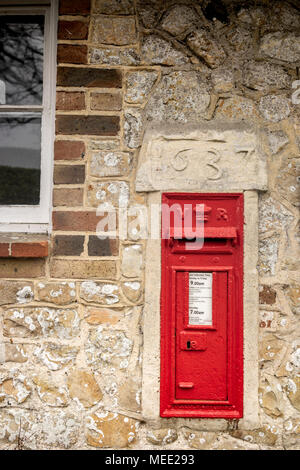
[200, 298]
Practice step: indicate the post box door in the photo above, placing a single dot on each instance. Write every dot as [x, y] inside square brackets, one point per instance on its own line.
[202, 311]
[201, 354]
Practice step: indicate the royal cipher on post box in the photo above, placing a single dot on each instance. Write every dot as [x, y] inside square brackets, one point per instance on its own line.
[202, 307]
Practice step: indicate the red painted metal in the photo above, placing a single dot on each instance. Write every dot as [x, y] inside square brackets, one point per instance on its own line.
[202, 364]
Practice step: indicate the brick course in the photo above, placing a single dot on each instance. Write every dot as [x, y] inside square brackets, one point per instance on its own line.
[85, 77]
[69, 150]
[88, 125]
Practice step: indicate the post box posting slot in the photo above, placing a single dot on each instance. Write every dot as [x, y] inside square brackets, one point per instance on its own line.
[201, 314]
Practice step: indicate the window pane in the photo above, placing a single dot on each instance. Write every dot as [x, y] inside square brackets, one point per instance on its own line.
[20, 159]
[21, 59]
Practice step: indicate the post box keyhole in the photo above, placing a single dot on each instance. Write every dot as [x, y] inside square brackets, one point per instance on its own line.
[188, 344]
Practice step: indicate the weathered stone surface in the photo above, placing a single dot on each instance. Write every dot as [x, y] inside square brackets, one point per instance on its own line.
[270, 399]
[119, 31]
[201, 157]
[83, 387]
[20, 428]
[100, 292]
[14, 388]
[97, 316]
[222, 80]
[115, 193]
[264, 76]
[106, 429]
[266, 435]
[200, 440]
[291, 435]
[274, 108]
[22, 268]
[49, 391]
[133, 127]
[59, 429]
[59, 293]
[27, 322]
[139, 85]
[114, 56]
[178, 19]
[56, 356]
[106, 101]
[205, 47]
[132, 261]
[15, 292]
[277, 140]
[268, 255]
[114, 7]
[158, 51]
[293, 389]
[98, 145]
[83, 269]
[237, 107]
[106, 347]
[281, 46]
[293, 294]
[273, 215]
[180, 96]
[129, 394]
[267, 295]
[270, 347]
[13, 353]
[162, 436]
[241, 39]
[132, 290]
[110, 163]
[288, 182]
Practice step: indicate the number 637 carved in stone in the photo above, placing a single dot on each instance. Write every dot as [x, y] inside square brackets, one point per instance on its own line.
[180, 161]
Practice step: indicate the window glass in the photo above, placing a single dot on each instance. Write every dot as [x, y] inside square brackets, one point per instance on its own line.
[21, 59]
[20, 159]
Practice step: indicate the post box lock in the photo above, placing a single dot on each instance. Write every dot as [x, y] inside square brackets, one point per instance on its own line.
[193, 341]
[201, 311]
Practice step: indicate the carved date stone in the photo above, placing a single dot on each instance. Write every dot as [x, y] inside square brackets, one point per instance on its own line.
[206, 156]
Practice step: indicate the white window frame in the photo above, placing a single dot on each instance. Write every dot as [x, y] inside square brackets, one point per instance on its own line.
[24, 218]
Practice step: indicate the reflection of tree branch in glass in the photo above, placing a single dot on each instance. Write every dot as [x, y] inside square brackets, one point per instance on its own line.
[21, 58]
[21, 99]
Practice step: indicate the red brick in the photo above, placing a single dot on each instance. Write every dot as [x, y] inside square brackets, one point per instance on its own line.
[88, 125]
[69, 174]
[69, 150]
[68, 245]
[29, 250]
[72, 197]
[75, 221]
[72, 30]
[71, 54]
[74, 7]
[103, 247]
[89, 77]
[70, 101]
[4, 250]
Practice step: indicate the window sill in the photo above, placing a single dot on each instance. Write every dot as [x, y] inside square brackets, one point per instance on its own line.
[17, 245]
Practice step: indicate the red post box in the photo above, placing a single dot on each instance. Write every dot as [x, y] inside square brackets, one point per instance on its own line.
[202, 308]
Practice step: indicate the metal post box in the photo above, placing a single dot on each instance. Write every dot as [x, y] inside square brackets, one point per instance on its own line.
[201, 308]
